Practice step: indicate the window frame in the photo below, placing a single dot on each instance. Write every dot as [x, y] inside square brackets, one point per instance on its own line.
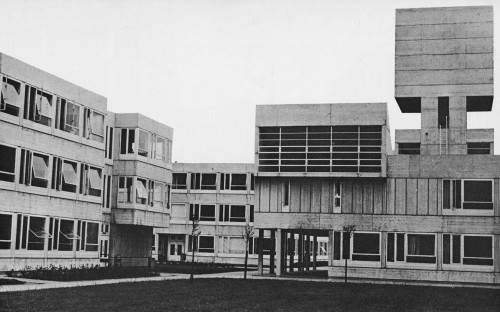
[62, 116]
[6, 173]
[127, 191]
[226, 182]
[11, 240]
[338, 249]
[451, 199]
[226, 214]
[25, 233]
[449, 251]
[177, 186]
[395, 261]
[9, 107]
[195, 212]
[83, 233]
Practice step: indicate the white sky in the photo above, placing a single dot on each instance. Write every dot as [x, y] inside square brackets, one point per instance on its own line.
[202, 66]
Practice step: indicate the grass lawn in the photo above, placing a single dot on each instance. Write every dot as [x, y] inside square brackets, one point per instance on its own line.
[252, 295]
[185, 268]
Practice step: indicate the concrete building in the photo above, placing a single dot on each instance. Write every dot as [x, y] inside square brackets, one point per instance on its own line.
[220, 198]
[431, 211]
[64, 158]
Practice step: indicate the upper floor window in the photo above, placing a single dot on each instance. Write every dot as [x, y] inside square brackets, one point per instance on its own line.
[7, 163]
[179, 181]
[108, 153]
[409, 148]
[203, 181]
[38, 106]
[143, 143]
[125, 185]
[337, 197]
[127, 141]
[141, 192]
[68, 116]
[64, 175]
[479, 148]
[232, 213]
[202, 212]
[34, 169]
[443, 112]
[90, 180]
[10, 96]
[468, 194]
[159, 148]
[233, 181]
[93, 125]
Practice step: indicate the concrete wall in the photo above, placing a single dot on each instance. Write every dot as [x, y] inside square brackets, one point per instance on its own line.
[132, 242]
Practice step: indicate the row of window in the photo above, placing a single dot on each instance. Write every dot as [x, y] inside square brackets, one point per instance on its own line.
[51, 110]
[208, 181]
[37, 169]
[472, 148]
[48, 233]
[458, 249]
[149, 145]
[147, 192]
[226, 213]
[227, 244]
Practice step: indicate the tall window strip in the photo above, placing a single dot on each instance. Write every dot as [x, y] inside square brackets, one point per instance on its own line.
[320, 149]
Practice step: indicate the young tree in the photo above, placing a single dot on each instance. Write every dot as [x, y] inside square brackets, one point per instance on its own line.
[348, 230]
[195, 232]
[247, 236]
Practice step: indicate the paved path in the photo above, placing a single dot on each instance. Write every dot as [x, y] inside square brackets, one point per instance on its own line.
[40, 284]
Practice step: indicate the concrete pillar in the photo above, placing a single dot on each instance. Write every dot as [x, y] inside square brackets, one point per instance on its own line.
[260, 267]
[330, 248]
[315, 250]
[279, 253]
[300, 250]
[291, 252]
[383, 249]
[439, 252]
[308, 251]
[496, 253]
[272, 253]
[458, 126]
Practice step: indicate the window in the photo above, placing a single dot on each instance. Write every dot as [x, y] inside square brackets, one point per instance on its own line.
[158, 148]
[206, 244]
[89, 234]
[93, 124]
[158, 193]
[90, 180]
[252, 212]
[107, 199]
[8, 163]
[153, 243]
[10, 96]
[109, 143]
[233, 181]
[31, 233]
[179, 181]
[232, 245]
[141, 192]
[127, 141]
[409, 148]
[34, 169]
[337, 198]
[125, 189]
[232, 213]
[363, 246]
[203, 181]
[252, 182]
[5, 231]
[63, 234]
[68, 116]
[104, 253]
[479, 148]
[443, 112]
[64, 175]
[468, 249]
[468, 194]
[202, 212]
[411, 248]
[38, 106]
[143, 143]
[286, 196]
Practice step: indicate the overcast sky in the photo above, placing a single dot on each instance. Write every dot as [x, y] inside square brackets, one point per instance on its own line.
[202, 66]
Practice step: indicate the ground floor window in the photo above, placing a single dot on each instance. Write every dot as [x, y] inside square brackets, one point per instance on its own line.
[202, 244]
[5, 231]
[89, 236]
[232, 244]
[31, 233]
[468, 249]
[411, 248]
[363, 246]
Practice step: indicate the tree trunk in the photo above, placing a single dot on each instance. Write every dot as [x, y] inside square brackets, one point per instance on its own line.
[246, 262]
[192, 261]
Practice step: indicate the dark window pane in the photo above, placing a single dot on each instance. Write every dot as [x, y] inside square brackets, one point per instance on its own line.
[390, 247]
[366, 243]
[421, 245]
[478, 191]
[446, 249]
[478, 246]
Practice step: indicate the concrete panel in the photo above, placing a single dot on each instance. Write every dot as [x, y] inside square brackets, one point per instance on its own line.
[274, 201]
[407, 136]
[444, 89]
[480, 135]
[423, 197]
[264, 196]
[446, 61]
[433, 196]
[443, 77]
[497, 198]
[347, 196]
[400, 205]
[444, 15]
[448, 46]
[295, 195]
[368, 197]
[326, 202]
[357, 196]
[305, 196]
[316, 195]
[391, 196]
[378, 198]
[411, 196]
[445, 31]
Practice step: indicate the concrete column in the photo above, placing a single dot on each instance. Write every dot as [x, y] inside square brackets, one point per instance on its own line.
[308, 251]
[457, 135]
[330, 248]
[260, 268]
[496, 253]
[439, 251]
[272, 253]
[383, 249]
[315, 250]
[292, 251]
[279, 253]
